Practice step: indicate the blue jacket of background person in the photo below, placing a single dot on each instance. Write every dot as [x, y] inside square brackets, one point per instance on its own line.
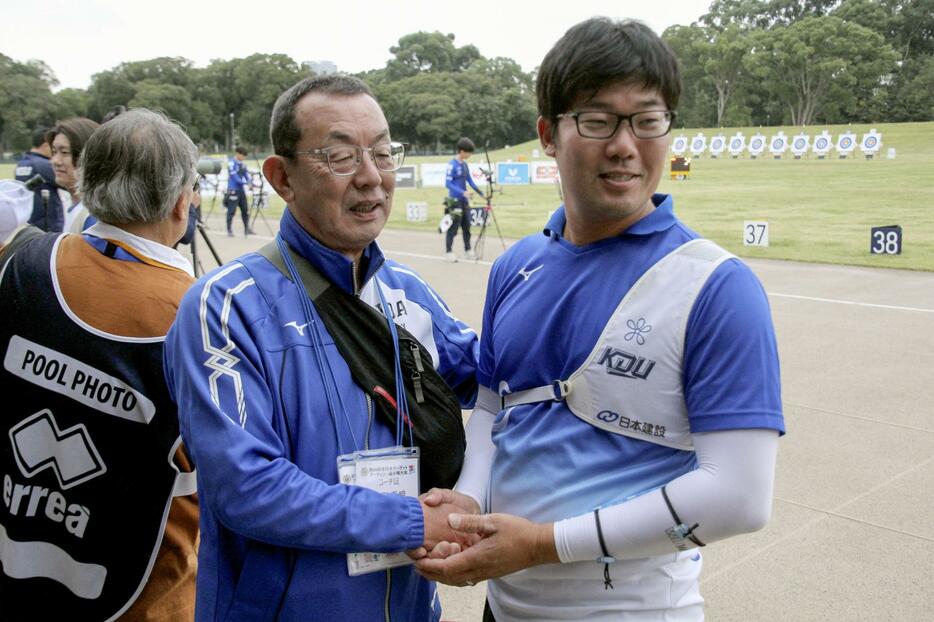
[252, 381]
[238, 176]
[457, 178]
[28, 166]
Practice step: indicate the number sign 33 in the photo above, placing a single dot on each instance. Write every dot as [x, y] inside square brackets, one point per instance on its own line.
[886, 240]
[755, 233]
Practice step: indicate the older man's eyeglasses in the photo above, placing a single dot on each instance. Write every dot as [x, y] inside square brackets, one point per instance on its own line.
[346, 159]
[604, 125]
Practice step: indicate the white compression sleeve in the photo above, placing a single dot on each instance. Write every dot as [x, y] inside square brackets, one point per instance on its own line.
[475, 475]
[729, 493]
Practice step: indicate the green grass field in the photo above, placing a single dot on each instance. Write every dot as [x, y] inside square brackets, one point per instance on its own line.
[817, 210]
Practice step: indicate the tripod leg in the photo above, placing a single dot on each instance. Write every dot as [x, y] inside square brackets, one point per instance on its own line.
[213, 205]
[498, 232]
[258, 206]
[207, 240]
[481, 237]
[195, 258]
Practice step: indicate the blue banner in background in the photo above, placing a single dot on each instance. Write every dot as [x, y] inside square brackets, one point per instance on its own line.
[512, 173]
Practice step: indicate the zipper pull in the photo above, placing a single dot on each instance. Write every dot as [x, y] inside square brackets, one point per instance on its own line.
[417, 383]
[417, 355]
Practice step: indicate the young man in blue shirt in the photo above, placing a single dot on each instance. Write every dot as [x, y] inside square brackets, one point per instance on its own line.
[630, 402]
[458, 200]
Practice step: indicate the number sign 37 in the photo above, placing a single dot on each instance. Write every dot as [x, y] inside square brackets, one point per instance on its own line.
[755, 233]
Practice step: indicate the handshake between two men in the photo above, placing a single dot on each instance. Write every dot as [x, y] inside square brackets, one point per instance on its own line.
[463, 547]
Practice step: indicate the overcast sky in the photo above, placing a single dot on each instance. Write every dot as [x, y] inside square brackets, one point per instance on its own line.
[78, 38]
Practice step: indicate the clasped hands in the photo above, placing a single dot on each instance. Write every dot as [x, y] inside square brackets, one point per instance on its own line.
[463, 547]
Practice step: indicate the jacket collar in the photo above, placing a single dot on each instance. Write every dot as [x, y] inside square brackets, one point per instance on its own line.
[335, 267]
[141, 248]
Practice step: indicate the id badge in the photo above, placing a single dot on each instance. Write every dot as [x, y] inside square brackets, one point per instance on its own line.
[391, 470]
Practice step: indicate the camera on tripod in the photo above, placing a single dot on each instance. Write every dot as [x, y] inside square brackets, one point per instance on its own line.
[209, 166]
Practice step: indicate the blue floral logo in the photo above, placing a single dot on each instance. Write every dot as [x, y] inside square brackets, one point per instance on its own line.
[638, 329]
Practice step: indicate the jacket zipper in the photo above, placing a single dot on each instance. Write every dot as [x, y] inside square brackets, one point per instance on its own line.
[369, 420]
[387, 615]
[358, 287]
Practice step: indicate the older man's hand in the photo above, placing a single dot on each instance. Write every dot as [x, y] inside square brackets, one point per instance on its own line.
[437, 505]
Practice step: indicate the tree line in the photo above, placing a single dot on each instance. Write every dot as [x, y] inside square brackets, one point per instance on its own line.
[744, 62]
[801, 62]
[432, 91]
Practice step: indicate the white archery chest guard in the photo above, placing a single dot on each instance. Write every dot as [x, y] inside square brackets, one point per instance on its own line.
[631, 383]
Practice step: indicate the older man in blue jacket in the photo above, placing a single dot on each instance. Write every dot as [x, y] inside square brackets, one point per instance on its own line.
[268, 401]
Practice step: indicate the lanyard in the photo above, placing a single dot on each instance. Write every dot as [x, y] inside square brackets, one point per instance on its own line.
[327, 377]
[402, 407]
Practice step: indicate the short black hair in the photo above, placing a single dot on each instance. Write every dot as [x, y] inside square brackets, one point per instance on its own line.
[241, 150]
[38, 136]
[600, 52]
[283, 130]
[465, 144]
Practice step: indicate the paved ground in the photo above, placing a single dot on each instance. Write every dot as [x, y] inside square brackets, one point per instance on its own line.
[850, 536]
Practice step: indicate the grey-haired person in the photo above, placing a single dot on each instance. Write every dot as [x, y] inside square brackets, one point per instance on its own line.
[100, 519]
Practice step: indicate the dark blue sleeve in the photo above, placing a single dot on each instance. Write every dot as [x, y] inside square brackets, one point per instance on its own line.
[55, 215]
[51, 218]
[731, 371]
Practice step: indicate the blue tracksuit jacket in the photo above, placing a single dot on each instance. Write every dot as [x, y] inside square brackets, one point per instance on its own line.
[265, 409]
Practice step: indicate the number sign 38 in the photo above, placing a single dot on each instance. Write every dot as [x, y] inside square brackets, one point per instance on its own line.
[886, 240]
[755, 233]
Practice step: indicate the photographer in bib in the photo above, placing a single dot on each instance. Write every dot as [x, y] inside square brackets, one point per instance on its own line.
[99, 519]
[630, 404]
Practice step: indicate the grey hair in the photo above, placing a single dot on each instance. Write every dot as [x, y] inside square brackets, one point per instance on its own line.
[134, 167]
[284, 131]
